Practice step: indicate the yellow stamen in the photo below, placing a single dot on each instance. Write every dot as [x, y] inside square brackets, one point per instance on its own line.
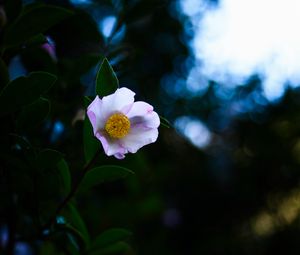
[117, 125]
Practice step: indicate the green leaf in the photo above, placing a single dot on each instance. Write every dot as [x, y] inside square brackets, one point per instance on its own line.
[49, 158]
[22, 144]
[164, 122]
[12, 9]
[24, 90]
[34, 19]
[90, 144]
[33, 114]
[74, 219]
[118, 248]
[110, 237]
[106, 80]
[103, 174]
[53, 160]
[4, 76]
[65, 175]
[72, 232]
[36, 40]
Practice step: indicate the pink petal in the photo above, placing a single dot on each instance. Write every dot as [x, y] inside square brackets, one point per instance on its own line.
[111, 146]
[121, 99]
[138, 137]
[95, 115]
[142, 113]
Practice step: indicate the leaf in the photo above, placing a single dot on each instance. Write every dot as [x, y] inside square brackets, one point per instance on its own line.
[33, 114]
[164, 122]
[12, 9]
[53, 160]
[34, 19]
[106, 80]
[118, 248]
[48, 158]
[69, 229]
[110, 237]
[22, 144]
[36, 40]
[74, 219]
[65, 175]
[103, 174]
[90, 144]
[4, 76]
[24, 90]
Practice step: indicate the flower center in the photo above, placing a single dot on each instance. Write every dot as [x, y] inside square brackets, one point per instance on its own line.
[117, 125]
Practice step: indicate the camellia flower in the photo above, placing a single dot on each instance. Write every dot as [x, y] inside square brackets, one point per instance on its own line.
[121, 124]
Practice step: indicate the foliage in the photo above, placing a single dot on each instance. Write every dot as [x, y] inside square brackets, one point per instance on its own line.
[239, 195]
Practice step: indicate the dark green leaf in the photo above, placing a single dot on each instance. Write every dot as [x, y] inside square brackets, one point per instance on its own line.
[110, 237]
[87, 101]
[74, 219]
[53, 160]
[164, 122]
[106, 80]
[12, 9]
[4, 76]
[33, 114]
[65, 175]
[74, 235]
[90, 144]
[22, 144]
[118, 248]
[35, 20]
[24, 90]
[48, 158]
[48, 248]
[36, 40]
[103, 174]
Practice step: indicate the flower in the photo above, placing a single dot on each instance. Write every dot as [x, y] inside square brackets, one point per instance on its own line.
[121, 124]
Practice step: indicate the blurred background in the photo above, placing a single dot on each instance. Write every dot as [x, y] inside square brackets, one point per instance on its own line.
[224, 179]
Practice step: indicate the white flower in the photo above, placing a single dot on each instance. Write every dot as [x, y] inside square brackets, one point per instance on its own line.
[121, 124]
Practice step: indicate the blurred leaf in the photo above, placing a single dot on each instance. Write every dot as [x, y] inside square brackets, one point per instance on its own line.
[24, 90]
[110, 237]
[12, 9]
[53, 160]
[22, 144]
[87, 101]
[4, 76]
[103, 174]
[48, 158]
[90, 144]
[48, 248]
[65, 175]
[164, 122]
[77, 66]
[36, 40]
[34, 19]
[118, 248]
[33, 114]
[74, 219]
[78, 241]
[106, 80]
[142, 9]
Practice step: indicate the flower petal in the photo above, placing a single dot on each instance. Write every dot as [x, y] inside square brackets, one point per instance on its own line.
[111, 146]
[138, 137]
[95, 115]
[117, 102]
[142, 113]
